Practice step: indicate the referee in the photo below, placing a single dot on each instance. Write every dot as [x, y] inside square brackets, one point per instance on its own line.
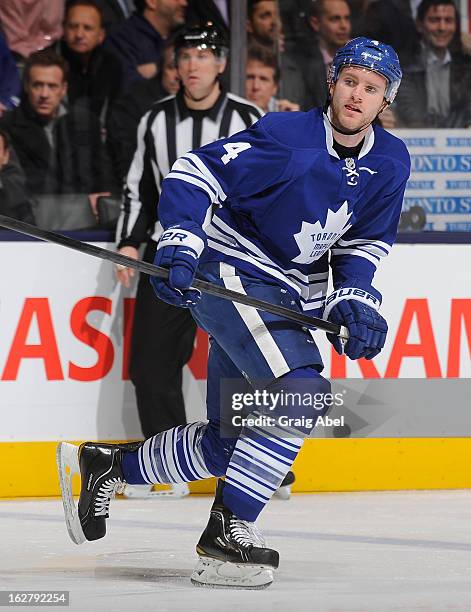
[200, 113]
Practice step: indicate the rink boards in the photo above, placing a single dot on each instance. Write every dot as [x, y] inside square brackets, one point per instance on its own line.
[64, 345]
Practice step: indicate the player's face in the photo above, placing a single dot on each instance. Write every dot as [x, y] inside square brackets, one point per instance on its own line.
[198, 70]
[438, 26]
[333, 26]
[265, 22]
[82, 29]
[357, 97]
[170, 80]
[260, 84]
[45, 89]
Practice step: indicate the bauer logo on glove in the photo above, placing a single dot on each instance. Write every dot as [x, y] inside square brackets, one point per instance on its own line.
[357, 309]
[179, 250]
[351, 292]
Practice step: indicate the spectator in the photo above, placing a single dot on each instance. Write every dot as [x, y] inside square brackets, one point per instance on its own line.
[139, 42]
[115, 12]
[265, 30]
[14, 201]
[391, 21]
[94, 73]
[261, 83]
[264, 24]
[217, 12]
[10, 85]
[436, 88]
[129, 108]
[60, 151]
[330, 21]
[31, 25]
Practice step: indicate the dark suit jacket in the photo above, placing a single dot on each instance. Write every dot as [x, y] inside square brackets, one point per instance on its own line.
[99, 85]
[411, 102]
[112, 13]
[124, 120]
[14, 200]
[78, 163]
[134, 42]
[390, 21]
[315, 75]
[199, 12]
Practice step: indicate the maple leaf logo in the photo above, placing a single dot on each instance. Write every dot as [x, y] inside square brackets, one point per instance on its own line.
[315, 239]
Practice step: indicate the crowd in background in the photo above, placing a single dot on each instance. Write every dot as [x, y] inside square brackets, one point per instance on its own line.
[76, 76]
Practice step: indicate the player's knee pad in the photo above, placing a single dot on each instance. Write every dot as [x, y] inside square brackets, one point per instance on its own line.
[300, 397]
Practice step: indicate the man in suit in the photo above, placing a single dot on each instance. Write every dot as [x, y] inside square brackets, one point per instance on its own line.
[436, 89]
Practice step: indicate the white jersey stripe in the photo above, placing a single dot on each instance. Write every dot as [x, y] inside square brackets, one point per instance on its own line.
[194, 181]
[254, 262]
[379, 243]
[212, 180]
[221, 228]
[374, 260]
[258, 330]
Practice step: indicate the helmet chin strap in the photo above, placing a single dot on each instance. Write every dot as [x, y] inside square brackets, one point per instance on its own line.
[344, 131]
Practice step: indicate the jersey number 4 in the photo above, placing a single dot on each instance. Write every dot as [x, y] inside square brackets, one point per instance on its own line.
[233, 149]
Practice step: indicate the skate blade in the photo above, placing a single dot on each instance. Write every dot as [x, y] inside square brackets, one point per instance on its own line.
[283, 492]
[213, 573]
[68, 465]
[144, 492]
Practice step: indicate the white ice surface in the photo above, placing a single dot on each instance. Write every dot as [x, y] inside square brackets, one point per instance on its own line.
[346, 551]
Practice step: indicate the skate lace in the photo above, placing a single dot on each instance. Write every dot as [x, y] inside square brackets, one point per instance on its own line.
[244, 533]
[106, 492]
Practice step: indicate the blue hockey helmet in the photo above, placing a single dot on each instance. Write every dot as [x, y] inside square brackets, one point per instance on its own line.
[373, 55]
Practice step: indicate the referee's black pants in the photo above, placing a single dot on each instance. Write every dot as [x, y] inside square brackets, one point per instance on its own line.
[161, 344]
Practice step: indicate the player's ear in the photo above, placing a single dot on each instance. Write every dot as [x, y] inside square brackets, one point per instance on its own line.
[222, 64]
[314, 23]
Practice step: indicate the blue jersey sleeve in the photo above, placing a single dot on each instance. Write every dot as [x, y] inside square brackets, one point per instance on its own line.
[240, 166]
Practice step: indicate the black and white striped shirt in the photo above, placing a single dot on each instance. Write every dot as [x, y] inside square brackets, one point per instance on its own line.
[167, 131]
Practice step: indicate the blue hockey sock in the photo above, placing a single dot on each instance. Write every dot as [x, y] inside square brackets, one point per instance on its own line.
[171, 456]
[265, 451]
[259, 463]
[131, 470]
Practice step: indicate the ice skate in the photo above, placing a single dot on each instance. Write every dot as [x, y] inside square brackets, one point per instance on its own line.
[176, 491]
[99, 466]
[284, 490]
[232, 552]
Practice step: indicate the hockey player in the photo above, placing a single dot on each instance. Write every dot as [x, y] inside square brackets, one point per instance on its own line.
[293, 194]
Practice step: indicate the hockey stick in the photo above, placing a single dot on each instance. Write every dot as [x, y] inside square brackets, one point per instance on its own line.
[147, 268]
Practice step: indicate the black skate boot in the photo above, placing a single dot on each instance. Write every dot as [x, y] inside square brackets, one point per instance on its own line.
[99, 466]
[232, 552]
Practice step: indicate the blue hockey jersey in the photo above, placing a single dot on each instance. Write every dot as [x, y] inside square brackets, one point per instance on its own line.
[288, 206]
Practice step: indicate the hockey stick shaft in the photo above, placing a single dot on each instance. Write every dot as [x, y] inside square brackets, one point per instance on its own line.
[150, 269]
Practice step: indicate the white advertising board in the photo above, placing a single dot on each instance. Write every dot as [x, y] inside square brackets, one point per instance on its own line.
[64, 338]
